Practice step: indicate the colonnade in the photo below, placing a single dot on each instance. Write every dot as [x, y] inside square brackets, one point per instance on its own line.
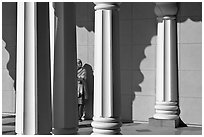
[34, 112]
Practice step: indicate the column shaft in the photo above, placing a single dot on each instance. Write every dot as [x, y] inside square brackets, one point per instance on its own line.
[107, 65]
[43, 70]
[106, 81]
[52, 40]
[20, 69]
[171, 74]
[33, 111]
[30, 70]
[65, 73]
[160, 62]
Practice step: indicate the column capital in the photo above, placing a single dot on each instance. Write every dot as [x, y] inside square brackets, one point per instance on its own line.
[163, 9]
[106, 5]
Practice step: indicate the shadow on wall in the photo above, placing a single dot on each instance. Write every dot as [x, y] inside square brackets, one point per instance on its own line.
[9, 23]
[138, 27]
[85, 15]
[189, 10]
[189, 15]
[85, 24]
[90, 88]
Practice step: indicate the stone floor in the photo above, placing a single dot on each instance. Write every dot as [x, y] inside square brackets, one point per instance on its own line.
[8, 128]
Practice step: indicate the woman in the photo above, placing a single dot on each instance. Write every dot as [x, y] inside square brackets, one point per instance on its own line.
[82, 88]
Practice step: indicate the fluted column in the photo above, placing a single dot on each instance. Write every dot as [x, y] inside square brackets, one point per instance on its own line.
[167, 62]
[106, 118]
[33, 111]
[65, 71]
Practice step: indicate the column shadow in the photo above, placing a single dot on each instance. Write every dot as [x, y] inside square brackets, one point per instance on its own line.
[191, 11]
[138, 29]
[9, 35]
[90, 88]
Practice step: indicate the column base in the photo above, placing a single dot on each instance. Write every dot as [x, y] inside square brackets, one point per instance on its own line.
[105, 132]
[173, 123]
[64, 131]
[106, 126]
[166, 110]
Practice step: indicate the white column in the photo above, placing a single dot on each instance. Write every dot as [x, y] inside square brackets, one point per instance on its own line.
[30, 83]
[65, 71]
[52, 40]
[20, 69]
[33, 111]
[167, 63]
[106, 118]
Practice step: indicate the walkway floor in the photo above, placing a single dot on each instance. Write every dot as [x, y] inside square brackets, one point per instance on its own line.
[8, 128]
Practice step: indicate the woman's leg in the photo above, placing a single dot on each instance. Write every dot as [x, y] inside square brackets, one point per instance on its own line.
[80, 108]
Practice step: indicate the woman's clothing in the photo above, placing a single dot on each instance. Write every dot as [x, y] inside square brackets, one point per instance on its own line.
[82, 86]
[82, 90]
